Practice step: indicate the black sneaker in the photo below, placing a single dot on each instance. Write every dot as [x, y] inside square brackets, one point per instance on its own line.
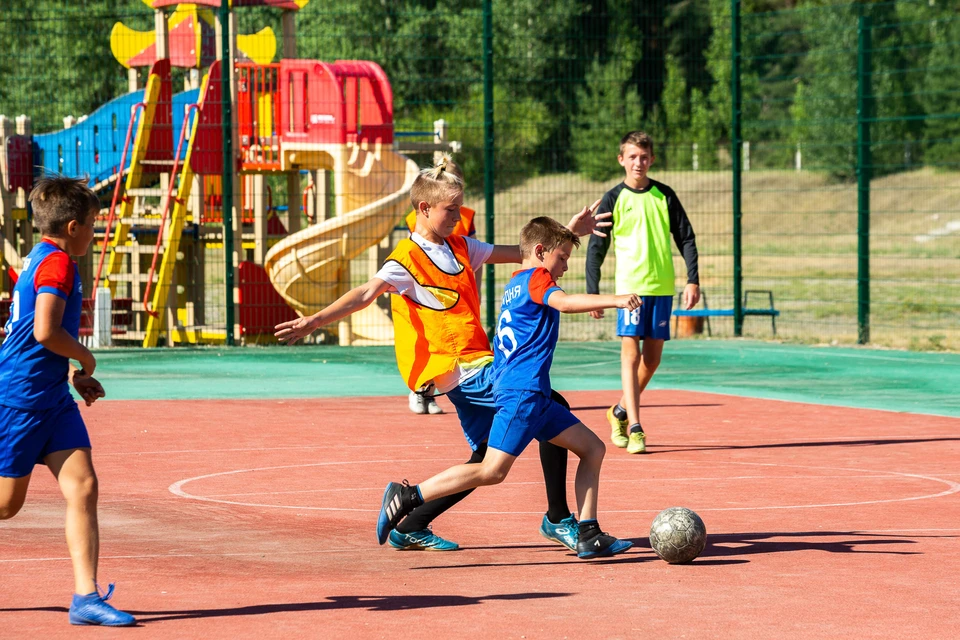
[391, 510]
[601, 545]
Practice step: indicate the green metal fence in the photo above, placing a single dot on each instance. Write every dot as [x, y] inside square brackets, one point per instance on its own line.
[813, 145]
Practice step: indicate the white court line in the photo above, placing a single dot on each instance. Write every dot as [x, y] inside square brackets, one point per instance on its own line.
[952, 487]
[365, 550]
[569, 482]
[461, 445]
[195, 555]
[868, 355]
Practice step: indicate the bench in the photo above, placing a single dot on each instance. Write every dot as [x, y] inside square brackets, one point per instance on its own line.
[706, 312]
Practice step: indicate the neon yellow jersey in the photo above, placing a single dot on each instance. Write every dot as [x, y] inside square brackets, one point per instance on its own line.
[643, 221]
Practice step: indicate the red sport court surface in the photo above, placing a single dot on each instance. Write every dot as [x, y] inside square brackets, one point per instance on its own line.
[254, 518]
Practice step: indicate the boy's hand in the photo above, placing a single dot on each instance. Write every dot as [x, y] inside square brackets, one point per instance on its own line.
[691, 296]
[629, 301]
[87, 364]
[89, 388]
[294, 330]
[596, 315]
[585, 223]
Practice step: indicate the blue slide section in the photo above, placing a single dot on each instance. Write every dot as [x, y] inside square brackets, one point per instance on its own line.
[93, 148]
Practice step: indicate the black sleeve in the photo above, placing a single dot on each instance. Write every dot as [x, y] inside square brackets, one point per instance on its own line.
[683, 235]
[597, 247]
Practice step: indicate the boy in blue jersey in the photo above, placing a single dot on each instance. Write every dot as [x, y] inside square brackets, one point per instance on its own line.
[645, 214]
[39, 420]
[526, 337]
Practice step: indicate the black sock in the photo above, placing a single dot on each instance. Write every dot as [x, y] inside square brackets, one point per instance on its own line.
[636, 428]
[410, 498]
[421, 517]
[619, 412]
[588, 529]
[553, 461]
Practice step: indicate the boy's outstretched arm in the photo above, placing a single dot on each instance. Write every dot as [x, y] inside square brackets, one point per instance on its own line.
[584, 302]
[352, 301]
[48, 330]
[582, 224]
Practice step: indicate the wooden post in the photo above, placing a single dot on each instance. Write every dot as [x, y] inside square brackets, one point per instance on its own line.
[288, 27]
[24, 128]
[11, 255]
[294, 200]
[163, 34]
[256, 188]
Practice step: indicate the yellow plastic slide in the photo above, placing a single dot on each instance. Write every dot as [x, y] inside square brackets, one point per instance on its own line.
[309, 267]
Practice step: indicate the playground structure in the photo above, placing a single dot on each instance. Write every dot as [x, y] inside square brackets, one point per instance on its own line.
[156, 158]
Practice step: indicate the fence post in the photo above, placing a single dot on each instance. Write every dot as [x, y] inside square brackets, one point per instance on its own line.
[226, 75]
[488, 168]
[735, 154]
[102, 319]
[864, 163]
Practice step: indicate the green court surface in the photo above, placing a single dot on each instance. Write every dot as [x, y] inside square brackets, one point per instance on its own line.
[866, 378]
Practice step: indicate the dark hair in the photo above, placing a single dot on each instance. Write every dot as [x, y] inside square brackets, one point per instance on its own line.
[547, 232]
[638, 138]
[57, 200]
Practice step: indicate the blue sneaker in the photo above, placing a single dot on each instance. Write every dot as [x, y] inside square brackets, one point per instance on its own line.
[601, 545]
[566, 532]
[93, 609]
[424, 540]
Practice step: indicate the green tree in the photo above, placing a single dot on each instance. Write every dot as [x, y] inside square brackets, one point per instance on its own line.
[608, 106]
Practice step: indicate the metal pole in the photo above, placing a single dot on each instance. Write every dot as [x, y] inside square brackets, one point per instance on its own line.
[864, 164]
[736, 142]
[488, 172]
[226, 114]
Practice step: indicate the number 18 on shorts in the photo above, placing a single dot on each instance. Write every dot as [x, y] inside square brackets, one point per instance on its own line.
[651, 320]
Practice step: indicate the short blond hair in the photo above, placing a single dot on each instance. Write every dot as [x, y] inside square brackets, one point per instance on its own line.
[434, 184]
[637, 138]
[57, 200]
[546, 232]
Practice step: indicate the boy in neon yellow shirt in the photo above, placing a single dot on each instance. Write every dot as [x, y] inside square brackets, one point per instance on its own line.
[645, 214]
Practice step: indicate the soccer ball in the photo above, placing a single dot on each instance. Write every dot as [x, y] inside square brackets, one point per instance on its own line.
[678, 535]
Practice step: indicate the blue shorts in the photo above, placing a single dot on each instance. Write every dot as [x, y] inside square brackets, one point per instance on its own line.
[524, 416]
[651, 320]
[475, 405]
[27, 436]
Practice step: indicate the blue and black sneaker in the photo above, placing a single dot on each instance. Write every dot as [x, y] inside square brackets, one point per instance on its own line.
[601, 545]
[566, 532]
[424, 540]
[93, 609]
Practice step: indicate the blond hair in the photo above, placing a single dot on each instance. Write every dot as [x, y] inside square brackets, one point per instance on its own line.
[443, 180]
[637, 138]
[546, 232]
[57, 200]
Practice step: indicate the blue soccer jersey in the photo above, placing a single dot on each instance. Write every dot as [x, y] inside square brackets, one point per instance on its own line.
[527, 332]
[32, 376]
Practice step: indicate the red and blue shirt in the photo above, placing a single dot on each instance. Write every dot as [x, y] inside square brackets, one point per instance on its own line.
[32, 376]
[527, 332]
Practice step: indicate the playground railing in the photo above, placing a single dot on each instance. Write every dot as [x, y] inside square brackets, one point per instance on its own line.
[116, 193]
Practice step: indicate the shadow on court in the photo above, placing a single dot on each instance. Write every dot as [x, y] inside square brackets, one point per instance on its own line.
[741, 544]
[675, 448]
[648, 406]
[368, 603]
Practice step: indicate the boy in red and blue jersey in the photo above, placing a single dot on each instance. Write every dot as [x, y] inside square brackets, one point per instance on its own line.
[526, 338]
[40, 422]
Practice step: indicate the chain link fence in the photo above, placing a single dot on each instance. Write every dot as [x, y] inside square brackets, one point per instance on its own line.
[814, 147]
